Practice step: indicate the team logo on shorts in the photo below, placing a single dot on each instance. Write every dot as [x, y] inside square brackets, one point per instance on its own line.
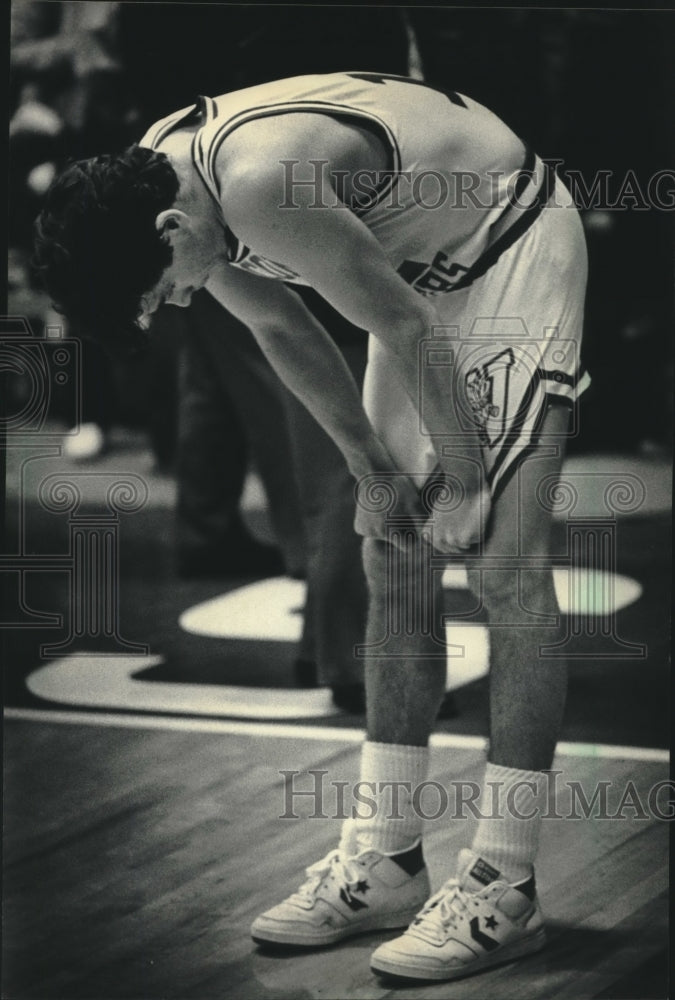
[487, 390]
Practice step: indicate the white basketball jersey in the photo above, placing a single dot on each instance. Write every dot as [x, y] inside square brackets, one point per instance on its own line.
[457, 183]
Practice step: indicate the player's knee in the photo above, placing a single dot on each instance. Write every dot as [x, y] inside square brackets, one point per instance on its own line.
[507, 592]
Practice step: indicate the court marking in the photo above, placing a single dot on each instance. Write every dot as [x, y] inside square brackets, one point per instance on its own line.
[97, 680]
[327, 733]
[237, 615]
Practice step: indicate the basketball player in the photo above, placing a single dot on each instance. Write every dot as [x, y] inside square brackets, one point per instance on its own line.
[423, 219]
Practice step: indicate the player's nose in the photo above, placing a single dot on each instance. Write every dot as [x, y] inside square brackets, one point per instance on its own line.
[149, 306]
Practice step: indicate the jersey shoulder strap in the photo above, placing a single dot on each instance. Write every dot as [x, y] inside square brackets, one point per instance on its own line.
[202, 111]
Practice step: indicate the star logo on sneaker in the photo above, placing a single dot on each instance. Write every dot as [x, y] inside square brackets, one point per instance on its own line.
[352, 902]
[330, 903]
[474, 922]
[484, 940]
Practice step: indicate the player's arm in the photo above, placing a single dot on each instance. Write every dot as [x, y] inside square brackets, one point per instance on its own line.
[307, 360]
[336, 253]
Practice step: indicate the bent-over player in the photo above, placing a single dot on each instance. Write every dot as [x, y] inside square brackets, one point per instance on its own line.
[423, 219]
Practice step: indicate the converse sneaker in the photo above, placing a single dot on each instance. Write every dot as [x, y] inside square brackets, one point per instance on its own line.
[348, 894]
[475, 921]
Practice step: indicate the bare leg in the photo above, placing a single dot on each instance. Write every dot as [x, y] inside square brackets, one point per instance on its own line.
[405, 677]
[527, 692]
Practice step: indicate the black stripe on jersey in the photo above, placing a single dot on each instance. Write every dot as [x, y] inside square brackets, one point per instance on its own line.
[320, 107]
[160, 130]
[515, 430]
[558, 376]
[507, 239]
[562, 377]
[236, 250]
[208, 110]
[524, 177]
[512, 435]
[241, 251]
[528, 450]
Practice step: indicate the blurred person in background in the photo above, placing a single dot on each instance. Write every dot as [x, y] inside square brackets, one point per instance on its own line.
[67, 98]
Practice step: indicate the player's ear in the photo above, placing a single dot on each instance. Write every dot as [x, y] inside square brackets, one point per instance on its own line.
[171, 220]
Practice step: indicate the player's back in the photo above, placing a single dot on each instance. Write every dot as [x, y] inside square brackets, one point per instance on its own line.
[451, 163]
[406, 111]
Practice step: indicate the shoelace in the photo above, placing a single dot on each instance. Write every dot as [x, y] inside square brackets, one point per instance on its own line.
[446, 907]
[343, 870]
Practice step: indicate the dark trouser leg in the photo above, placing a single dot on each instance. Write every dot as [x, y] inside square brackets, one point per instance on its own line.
[258, 399]
[336, 590]
[212, 456]
[231, 409]
[335, 616]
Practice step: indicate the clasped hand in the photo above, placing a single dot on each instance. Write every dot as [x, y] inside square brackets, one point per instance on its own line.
[388, 502]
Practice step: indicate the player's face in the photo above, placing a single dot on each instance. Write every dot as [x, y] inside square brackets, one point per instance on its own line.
[174, 288]
[193, 260]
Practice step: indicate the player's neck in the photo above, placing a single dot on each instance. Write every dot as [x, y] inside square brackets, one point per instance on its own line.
[191, 193]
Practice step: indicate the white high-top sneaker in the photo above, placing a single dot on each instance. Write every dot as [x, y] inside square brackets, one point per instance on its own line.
[475, 921]
[347, 894]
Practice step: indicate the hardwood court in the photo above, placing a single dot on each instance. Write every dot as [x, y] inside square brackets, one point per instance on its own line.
[136, 858]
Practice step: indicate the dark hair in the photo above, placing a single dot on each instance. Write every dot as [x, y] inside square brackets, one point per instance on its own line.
[97, 250]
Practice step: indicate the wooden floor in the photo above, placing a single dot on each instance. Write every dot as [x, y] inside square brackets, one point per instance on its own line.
[135, 860]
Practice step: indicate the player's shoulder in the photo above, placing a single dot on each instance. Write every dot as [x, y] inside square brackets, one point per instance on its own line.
[260, 139]
[249, 180]
[256, 155]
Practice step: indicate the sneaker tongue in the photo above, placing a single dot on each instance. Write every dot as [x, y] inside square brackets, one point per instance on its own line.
[474, 873]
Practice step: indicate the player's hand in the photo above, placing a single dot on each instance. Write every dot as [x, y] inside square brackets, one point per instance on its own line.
[456, 528]
[388, 507]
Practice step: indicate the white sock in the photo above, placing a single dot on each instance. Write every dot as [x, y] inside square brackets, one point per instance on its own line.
[394, 825]
[504, 838]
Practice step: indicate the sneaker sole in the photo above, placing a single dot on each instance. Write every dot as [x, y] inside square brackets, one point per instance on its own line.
[392, 922]
[518, 949]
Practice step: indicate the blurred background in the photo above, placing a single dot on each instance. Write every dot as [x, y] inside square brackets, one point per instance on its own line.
[589, 88]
